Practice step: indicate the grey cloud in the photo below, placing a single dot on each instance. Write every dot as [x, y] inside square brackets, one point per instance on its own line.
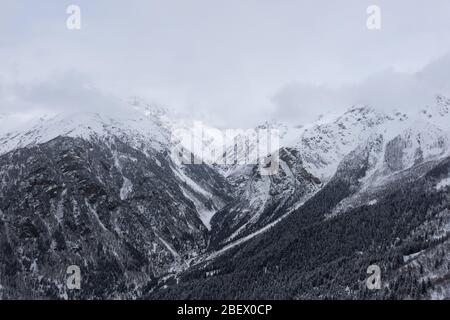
[69, 91]
[301, 103]
[386, 90]
[220, 60]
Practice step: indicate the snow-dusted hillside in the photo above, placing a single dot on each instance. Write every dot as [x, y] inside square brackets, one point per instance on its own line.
[141, 131]
[84, 182]
[390, 142]
[324, 145]
[115, 178]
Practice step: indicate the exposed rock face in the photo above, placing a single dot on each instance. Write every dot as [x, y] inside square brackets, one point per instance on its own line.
[263, 199]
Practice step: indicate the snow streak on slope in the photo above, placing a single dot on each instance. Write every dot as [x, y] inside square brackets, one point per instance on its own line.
[252, 235]
[189, 191]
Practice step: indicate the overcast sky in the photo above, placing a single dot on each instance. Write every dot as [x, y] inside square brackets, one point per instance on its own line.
[227, 62]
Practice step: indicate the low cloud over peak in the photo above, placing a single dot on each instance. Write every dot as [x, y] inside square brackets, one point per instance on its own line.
[387, 90]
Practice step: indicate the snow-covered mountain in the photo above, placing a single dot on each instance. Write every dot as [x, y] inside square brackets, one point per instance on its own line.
[141, 131]
[375, 191]
[101, 192]
[107, 192]
[310, 157]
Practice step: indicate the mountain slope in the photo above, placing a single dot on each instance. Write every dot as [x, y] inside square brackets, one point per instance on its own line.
[395, 142]
[308, 255]
[386, 203]
[263, 198]
[104, 194]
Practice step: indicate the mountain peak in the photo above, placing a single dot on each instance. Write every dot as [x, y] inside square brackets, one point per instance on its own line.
[139, 129]
[149, 109]
[437, 111]
[360, 109]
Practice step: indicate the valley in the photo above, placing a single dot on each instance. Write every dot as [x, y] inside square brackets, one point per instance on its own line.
[105, 192]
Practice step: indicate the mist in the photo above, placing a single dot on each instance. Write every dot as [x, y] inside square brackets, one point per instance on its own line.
[228, 63]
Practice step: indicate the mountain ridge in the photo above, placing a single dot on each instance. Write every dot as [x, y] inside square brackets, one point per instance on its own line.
[154, 218]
